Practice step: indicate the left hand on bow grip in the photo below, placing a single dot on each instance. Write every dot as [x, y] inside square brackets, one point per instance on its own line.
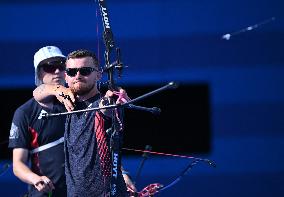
[121, 95]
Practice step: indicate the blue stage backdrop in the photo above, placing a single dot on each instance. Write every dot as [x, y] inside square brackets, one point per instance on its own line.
[180, 41]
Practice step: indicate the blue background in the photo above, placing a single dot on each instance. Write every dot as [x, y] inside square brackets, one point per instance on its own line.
[179, 41]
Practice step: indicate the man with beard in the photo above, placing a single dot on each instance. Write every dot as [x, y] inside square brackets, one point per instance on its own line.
[87, 173]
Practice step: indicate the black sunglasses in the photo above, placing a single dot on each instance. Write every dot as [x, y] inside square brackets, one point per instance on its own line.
[84, 71]
[51, 67]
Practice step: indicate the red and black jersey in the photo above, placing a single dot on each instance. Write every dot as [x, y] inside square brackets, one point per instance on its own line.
[86, 173]
[30, 130]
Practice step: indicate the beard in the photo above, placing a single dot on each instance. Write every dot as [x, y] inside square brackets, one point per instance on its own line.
[81, 88]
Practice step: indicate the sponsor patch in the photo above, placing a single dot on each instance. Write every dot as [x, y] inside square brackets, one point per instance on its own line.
[14, 132]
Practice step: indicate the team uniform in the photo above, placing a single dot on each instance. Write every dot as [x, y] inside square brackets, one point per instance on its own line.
[86, 174]
[30, 130]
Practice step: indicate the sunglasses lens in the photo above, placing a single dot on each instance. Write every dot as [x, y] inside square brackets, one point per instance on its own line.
[84, 71]
[71, 72]
[52, 68]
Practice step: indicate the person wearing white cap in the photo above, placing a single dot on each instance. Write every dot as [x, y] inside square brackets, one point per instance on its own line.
[38, 151]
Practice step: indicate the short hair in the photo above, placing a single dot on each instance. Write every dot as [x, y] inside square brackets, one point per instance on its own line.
[83, 53]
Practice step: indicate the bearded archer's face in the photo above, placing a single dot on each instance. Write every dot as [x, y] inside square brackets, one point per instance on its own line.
[81, 75]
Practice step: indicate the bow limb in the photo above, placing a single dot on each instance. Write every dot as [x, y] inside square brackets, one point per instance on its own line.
[155, 188]
[180, 176]
[116, 126]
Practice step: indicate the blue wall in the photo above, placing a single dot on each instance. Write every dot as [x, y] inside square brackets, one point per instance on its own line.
[179, 40]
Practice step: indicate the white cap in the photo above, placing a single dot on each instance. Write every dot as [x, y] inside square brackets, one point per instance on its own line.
[44, 54]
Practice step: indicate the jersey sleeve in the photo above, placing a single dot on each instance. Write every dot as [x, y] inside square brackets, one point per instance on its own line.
[20, 136]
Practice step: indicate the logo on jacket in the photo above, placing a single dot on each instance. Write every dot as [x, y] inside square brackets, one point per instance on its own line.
[42, 113]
